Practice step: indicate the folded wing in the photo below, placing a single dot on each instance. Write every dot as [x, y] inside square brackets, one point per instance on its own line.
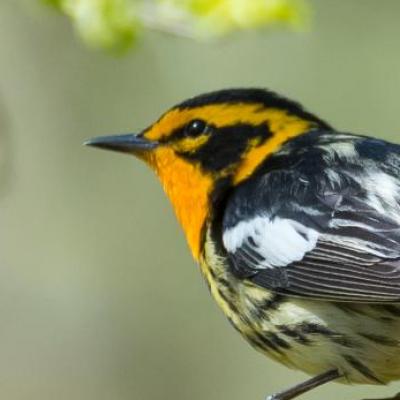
[322, 223]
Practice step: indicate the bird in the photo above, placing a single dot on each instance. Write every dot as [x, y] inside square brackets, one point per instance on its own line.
[295, 227]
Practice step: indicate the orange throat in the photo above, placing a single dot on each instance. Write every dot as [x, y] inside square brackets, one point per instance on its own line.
[188, 189]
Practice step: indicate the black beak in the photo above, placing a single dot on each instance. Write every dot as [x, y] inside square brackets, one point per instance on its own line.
[129, 143]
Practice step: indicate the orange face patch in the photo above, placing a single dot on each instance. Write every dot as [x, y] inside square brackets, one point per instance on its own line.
[188, 188]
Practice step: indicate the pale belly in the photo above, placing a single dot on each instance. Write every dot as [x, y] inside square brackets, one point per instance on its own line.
[362, 341]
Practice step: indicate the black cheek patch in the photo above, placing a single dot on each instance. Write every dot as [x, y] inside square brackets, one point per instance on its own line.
[227, 145]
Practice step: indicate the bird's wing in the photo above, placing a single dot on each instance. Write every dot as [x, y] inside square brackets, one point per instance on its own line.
[323, 222]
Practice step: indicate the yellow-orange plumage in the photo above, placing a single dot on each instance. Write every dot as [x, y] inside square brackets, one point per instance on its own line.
[188, 189]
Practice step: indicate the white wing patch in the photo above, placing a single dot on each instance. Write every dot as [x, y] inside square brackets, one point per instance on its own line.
[279, 241]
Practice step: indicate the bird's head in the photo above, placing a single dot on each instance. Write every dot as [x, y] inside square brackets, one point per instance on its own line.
[211, 141]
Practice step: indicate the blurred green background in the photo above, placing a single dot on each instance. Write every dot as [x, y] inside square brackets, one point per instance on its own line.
[99, 297]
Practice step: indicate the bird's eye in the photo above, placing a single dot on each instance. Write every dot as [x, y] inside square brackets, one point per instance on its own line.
[195, 127]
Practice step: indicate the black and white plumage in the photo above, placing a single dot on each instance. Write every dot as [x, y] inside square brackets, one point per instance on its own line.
[320, 219]
[296, 228]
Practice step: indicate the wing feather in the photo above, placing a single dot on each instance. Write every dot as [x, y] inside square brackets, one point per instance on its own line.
[305, 234]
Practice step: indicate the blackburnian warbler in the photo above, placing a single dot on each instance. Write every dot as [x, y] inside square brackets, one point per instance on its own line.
[296, 228]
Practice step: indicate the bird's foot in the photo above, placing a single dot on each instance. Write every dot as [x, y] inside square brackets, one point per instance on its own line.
[273, 397]
[306, 386]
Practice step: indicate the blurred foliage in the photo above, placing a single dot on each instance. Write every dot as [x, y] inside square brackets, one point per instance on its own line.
[114, 24]
[110, 24]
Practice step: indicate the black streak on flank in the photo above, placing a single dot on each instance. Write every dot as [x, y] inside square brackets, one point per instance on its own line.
[262, 309]
[226, 145]
[305, 332]
[295, 334]
[362, 369]
[272, 303]
[227, 286]
[380, 339]
[265, 342]
[277, 340]
[229, 302]
[316, 329]
[265, 98]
